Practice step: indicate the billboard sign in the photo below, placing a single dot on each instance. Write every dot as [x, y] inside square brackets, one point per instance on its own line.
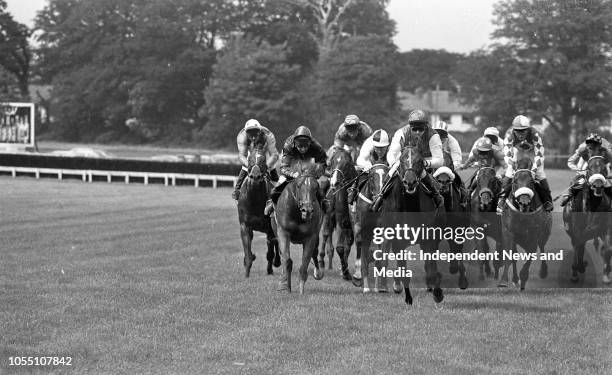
[16, 125]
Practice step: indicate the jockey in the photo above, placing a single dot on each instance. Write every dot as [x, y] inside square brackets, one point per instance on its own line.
[496, 143]
[251, 133]
[373, 151]
[522, 135]
[351, 134]
[452, 156]
[485, 153]
[419, 133]
[299, 147]
[594, 144]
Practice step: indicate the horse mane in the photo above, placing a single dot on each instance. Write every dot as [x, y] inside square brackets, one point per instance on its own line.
[524, 163]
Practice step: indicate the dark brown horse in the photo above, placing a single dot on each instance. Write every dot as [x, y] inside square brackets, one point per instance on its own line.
[297, 219]
[365, 220]
[587, 217]
[253, 195]
[524, 222]
[483, 204]
[326, 246]
[406, 193]
[456, 216]
[343, 173]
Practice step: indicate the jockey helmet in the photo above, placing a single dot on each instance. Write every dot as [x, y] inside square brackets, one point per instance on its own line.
[484, 144]
[520, 122]
[593, 139]
[491, 131]
[302, 132]
[440, 125]
[252, 124]
[351, 122]
[380, 138]
[417, 117]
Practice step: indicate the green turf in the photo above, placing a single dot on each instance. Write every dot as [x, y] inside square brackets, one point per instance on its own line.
[133, 279]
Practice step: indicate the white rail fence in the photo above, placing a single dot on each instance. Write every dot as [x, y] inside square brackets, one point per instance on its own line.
[129, 177]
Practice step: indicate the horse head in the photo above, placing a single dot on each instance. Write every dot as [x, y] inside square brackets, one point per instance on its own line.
[445, 177]
[596, 174]
[305, 195]
[341, 166]
[377, 177]
[411, 167]
[487, 187]
[523, 185]
[257, 164]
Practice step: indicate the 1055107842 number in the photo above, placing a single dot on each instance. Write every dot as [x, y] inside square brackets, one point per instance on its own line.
[40, 361]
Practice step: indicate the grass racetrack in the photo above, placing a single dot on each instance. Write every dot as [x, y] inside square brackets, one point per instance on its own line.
[134, 279]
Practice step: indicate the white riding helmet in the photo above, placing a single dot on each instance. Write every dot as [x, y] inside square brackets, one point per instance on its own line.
[252, 124]
[444, 170]
[520, 122]
[440, 125]
[380, 138]
[491, 131]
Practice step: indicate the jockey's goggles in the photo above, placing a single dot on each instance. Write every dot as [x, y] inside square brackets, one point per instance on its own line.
[484, 152]
[442, 133]
[302, 143]
[252, 132]
[521, 131]
[417, 128]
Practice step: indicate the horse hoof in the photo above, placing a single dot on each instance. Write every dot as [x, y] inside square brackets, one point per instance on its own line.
[358, 282]
[429, 289]
[438, 295]
[321, 263]
[606, 279]
[277, 262]
[318, 274]
[574, 278]
[408, 298]
[301, 287]
[270, 271]
[380, 290]
[367, 290]
[463, 282]
[346, 275]
[454, 267]
[544, 271]
[502, 284]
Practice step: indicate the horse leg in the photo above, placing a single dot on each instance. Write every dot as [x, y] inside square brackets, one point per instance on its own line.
[433, 279]
[463, 281]
[308, 252]
[380, 282]
[507, 243]
[246, 235]
[543, 266]
[525, 271]
[318, 271]
[484, 264]
[497, 263]
[357, 276]
[284, 244]
[515, 276]
[405, 282]
[578, 265]
[606, 252]
[273, 255]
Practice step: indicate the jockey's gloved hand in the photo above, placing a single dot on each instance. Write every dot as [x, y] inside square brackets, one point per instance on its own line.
[295, 174]
[367, 167]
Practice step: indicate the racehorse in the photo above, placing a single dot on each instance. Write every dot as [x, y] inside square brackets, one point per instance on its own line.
[524, 222]
[483, 204]
[365, 220]
[406, 193]
[253, 195]
[297, 219]
[456, 216]
[587, 217]
[343, 173]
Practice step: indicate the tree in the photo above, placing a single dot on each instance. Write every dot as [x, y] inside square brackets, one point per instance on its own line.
[557, 63]
[15, 52]
[251, 79]
[358, 77]
[428, 69]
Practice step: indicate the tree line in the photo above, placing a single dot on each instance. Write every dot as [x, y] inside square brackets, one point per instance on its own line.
[193, 71]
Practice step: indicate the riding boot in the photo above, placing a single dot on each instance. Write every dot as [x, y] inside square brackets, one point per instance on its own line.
[430, 184]
[506, 188]
[274, 195]
[241, 177]
[546, 195]
[570, 193]
[352, 192]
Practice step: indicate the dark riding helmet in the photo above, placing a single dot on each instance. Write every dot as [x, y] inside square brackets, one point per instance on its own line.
[593, 139]
[302, 134]
[417, 117]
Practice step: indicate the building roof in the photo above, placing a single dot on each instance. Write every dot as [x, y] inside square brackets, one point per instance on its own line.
[440, 101]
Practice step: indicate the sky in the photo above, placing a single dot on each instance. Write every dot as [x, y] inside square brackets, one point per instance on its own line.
[454, 25]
